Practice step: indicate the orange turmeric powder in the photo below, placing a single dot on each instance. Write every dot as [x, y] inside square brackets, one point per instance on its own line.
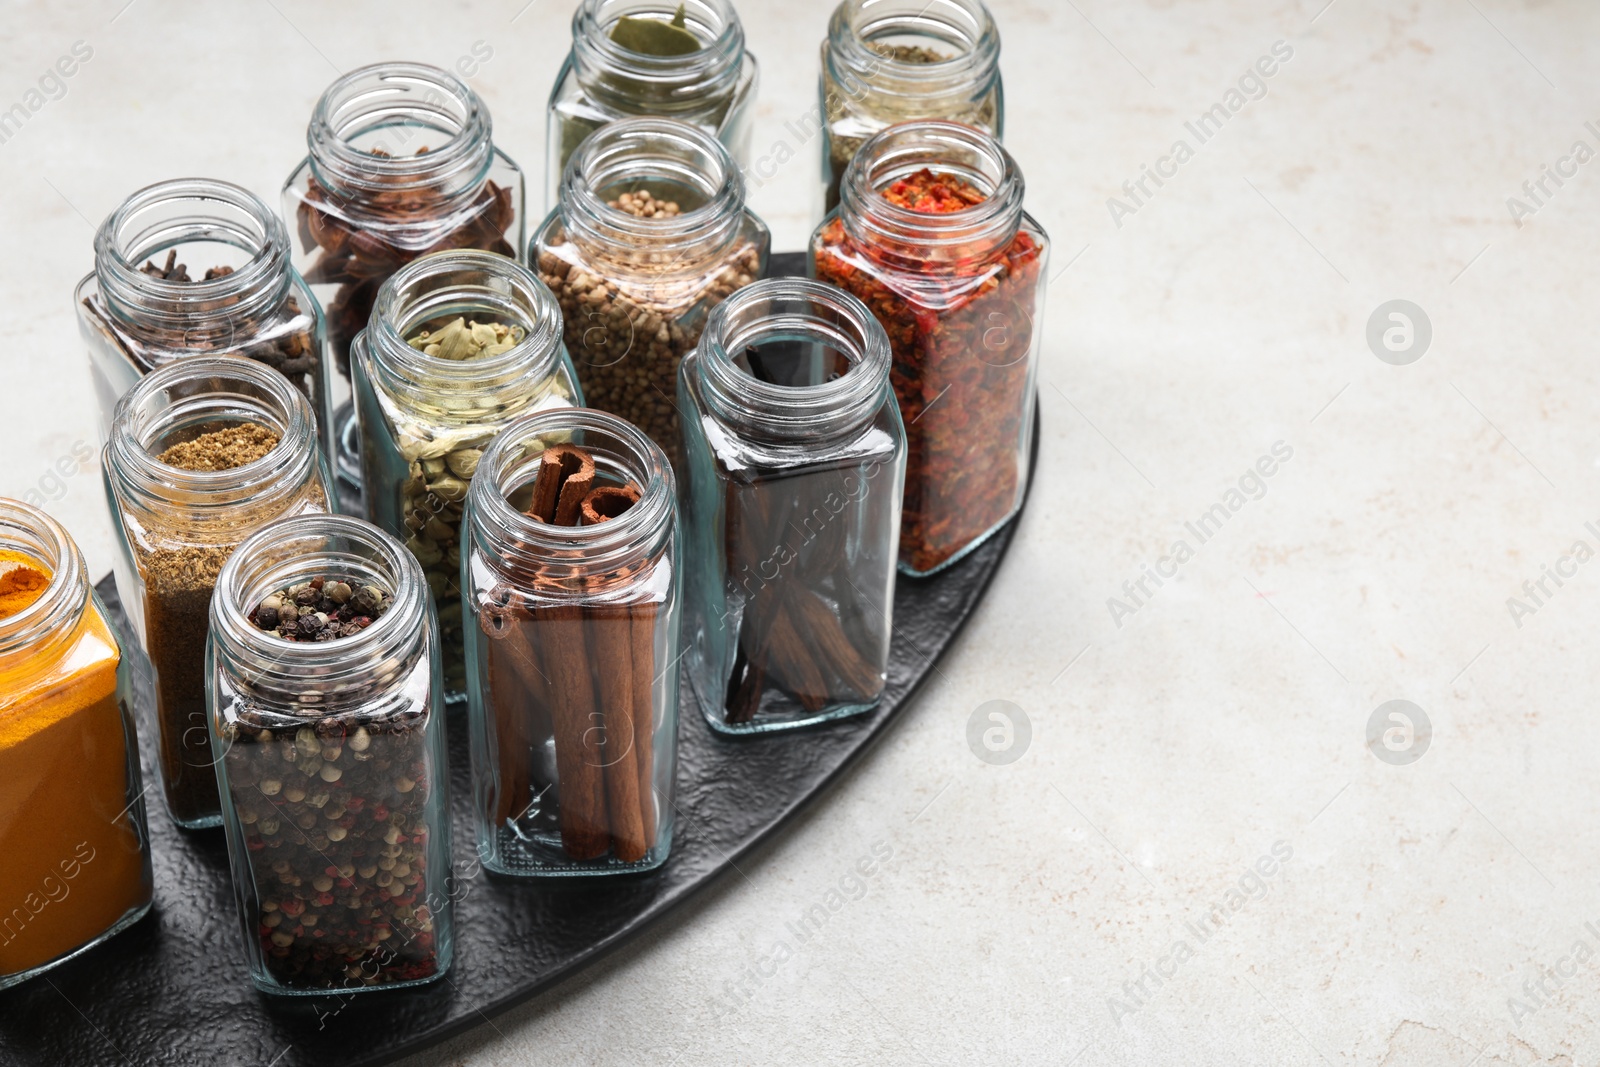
[20, 584]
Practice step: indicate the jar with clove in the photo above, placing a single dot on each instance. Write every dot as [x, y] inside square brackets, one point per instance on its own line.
[652, 233]
[328, 735]
[633, 58]
[195, 268]
[401, 164]
[571, 584]
[795, 457]
[202, 454]
[461, 344]
[889, 61]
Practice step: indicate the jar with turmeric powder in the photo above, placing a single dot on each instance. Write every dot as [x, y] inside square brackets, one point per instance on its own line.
[72, 819]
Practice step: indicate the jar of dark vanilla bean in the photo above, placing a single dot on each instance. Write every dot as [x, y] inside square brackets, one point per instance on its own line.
[795, 458]
[570, 577]
[401, 163]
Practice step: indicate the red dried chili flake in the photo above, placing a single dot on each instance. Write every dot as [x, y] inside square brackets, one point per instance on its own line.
[933, 194]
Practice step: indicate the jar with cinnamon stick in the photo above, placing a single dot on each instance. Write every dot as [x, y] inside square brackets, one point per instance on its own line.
[202, 454]
[195, 268]
[652, 233]
[461, 343]
[72, 815]
[796, 459]
[401, 163]
[931, 235]
[571, 584]
[327, 728]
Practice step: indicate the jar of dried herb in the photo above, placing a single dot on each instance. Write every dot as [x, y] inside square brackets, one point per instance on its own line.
[795, 458]
[631, 58]
[571, 578]
[931, 236]
[196, 268]
[72, 817]
[202, 454]
[889, 61]
[461, 344]
[328, 733]
[652, 233]
[402, 163]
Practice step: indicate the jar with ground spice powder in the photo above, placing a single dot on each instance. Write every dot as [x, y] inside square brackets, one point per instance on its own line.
[327, 726]
[461, 343]
[402, 163]
[931, 236]
[202, 454]
[72, 816]
[889, 61]
[652, 233]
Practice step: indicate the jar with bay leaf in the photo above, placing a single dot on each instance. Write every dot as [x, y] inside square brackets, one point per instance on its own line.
[461, 343]
[652, 233]
[630, 58]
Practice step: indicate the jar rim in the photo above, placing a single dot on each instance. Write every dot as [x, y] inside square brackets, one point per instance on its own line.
[32, 533]
[853, 26]
[691, 76]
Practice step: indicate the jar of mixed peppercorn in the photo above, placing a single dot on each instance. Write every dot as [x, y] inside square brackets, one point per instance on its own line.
[930, 234]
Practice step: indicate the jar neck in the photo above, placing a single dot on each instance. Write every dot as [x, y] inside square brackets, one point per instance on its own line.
[790, 360]
[478, 286]
[208, 227]
[887, 49]
[932, 242]
[632, 82]
[32, 637]
[398, 140]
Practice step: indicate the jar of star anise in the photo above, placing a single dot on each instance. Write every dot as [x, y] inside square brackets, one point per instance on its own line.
[930, 234]
[402, 164]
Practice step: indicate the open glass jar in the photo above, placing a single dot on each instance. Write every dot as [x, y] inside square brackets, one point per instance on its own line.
[72, 816]
[795, 457]
[931, 236]
[402, 164]
[141, 309]
[571, 578]
[202, 454]
[652, 233]
[631, 58]
[888, 61]
[330, 756]
[461, 344]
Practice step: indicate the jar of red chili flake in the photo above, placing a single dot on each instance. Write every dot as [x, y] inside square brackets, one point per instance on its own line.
[930, 234]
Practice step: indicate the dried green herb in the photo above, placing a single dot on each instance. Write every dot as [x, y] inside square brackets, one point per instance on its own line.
[652, 37]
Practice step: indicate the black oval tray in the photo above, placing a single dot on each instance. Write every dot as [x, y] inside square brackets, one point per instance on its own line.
[173, 991]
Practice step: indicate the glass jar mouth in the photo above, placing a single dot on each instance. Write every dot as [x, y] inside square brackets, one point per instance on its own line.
[387, 108]
[621, 76]
[788, 310]
[191, 211]
[964, 26]
[29, 532]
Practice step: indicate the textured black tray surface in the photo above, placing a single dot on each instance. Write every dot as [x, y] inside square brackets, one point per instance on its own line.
[172, 991]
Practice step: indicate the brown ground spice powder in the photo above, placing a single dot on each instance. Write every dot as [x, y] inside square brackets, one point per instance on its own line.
[222, 450]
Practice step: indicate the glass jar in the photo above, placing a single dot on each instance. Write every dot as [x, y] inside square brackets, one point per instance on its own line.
[140, 309]
[330, 756]
[202, 454]
[652, 233]
[608, 75]
[932, 237]
[795, 458]
[72, 818]
[889, 61]
[401, 164]
[571, 578]
[428, 418]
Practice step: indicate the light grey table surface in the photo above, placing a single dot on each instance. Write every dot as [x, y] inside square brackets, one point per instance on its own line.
[1430, 913]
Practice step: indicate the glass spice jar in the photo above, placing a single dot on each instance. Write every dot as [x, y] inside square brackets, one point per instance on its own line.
[461, 343]
[931, 236]
[571, 578]
[796, 459]
[330, 754]
[141, 309]
[202, 454]
[632, 58]
[652, 233]
[889, 61]
[72, 816]
[401, 164]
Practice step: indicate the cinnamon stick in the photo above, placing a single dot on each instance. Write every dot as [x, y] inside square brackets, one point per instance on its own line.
[575, 715]
[565, 477]
[644, 705]
[609, 633]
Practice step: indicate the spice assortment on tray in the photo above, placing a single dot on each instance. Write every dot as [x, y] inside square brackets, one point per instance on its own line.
[522, 438]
